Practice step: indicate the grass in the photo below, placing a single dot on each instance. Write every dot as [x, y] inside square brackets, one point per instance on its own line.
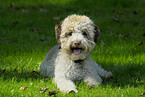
[27, 33]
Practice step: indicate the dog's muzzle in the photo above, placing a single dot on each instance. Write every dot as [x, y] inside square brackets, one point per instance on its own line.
[76, 48]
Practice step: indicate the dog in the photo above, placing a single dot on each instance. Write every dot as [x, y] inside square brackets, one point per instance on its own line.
[70, 60]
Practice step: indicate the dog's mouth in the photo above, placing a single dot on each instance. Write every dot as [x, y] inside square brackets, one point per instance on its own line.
[76, 51]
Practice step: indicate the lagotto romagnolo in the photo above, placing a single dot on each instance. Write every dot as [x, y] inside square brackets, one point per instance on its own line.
[70, 61]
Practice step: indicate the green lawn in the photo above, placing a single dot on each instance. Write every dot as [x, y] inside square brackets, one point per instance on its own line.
[27, 33]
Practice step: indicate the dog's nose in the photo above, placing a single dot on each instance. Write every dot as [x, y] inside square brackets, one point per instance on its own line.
[76, 43]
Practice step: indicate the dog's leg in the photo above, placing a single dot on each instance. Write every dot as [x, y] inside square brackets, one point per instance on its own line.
[64, 84]
[94, 71]
[92, 79]
[103, 72]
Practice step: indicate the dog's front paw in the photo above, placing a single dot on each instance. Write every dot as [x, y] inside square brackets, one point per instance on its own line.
[109, 75]
[72, 90]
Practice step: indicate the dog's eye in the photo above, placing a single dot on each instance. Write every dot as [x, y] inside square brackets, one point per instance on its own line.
[68, 34]
[85, 34]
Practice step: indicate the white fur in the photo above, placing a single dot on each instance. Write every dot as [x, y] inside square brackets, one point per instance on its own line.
[61, 64]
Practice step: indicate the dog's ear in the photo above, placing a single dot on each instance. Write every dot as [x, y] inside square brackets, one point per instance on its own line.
[97, 33]
[58, 32]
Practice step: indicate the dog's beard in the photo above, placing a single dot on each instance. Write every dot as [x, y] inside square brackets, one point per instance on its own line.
[81, 56]
[78, 53]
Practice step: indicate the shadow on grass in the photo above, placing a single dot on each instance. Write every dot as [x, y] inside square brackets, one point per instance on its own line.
[23, 76]
[128, 75]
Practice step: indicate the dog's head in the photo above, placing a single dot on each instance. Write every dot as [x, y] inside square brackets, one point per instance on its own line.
[77, 35]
